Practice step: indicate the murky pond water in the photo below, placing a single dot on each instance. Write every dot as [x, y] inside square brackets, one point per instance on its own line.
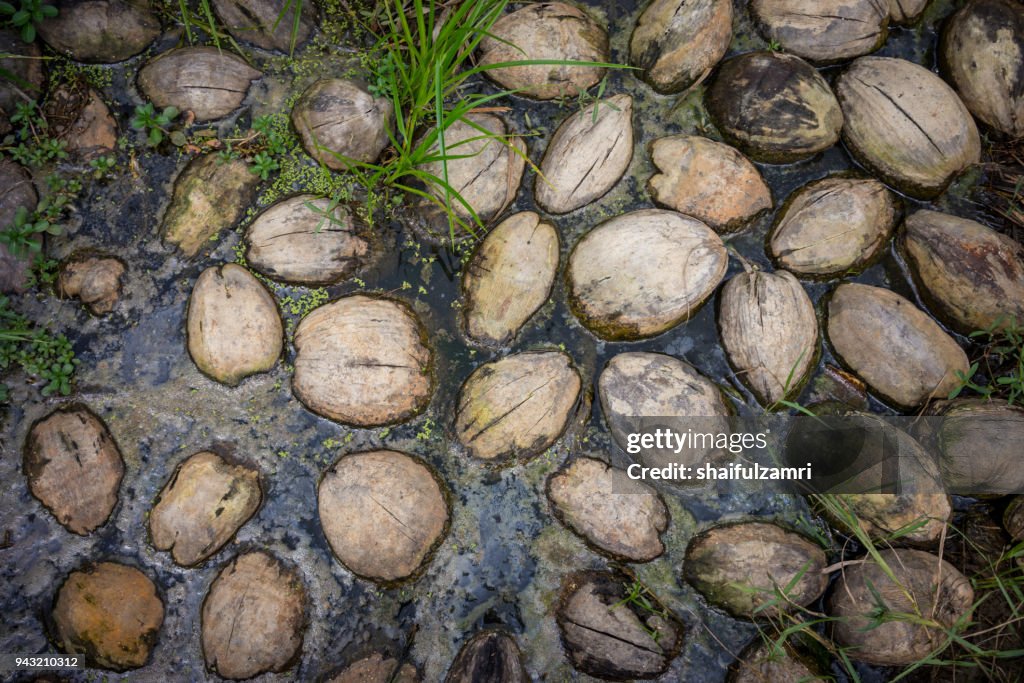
[505, 557]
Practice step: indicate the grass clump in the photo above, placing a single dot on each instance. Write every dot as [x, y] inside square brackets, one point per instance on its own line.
[999, 373]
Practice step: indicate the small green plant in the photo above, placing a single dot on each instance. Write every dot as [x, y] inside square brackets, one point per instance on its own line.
[37, 351]
[103, 166]
[639, 596]
[28, 16]
[153, 123]
[774, 46]
[1003, 360]
[263, 165]
[22, 237]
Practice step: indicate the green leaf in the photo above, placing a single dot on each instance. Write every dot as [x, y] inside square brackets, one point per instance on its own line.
[6, 8]
[28, 33]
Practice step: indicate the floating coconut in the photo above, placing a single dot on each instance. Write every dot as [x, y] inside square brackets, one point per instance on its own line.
[611, 638]
[307, 240]
[491, 656]
[638, 385]
[253, 617]
[74, 468]
[644, 272]
[509, 278]
[516, 407]
[982, 52]
[487, 175]
[339, 122]
[545, 31]
[200, 508]
[710, 181]
[923, 585]
[94, 280]
[970, 274]
[770, 332]
[833, 226]
[100, 30]
[824, 31]
[978, 444]
[376, 668]
[109, 612]
[902, 354]
[383, 513]
[587, 155]
[742, 568]
[620, 516]
[210, 195]
[775, 107]
[234, 328]
[269, 24]
[677, 42]
[364, 361]
[906, 125]
[209, 82]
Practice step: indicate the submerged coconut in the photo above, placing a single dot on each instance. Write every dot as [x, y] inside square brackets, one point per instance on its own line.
[491, 656]
[587, 155]
[906, 125]
[970, 274]
[677, 42]
[741, 567]
[554, 31]
[833, 226]
[901, 353]
[644, 272]
[775, 107]
[982, 51]
[824, 31]
[924, 584]
[339, 122]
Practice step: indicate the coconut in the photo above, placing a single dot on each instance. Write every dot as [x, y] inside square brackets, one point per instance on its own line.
[762, 662]
[770, 332]
[982, 52]
[620, 516]
[775, 107]
[485, 172]
[924, 584]
[383, 513]
[339, 121]
[100, 30]
[707, 180]
[77, 114]
[74, 468]
[906, 125]
[253, 617]
[109, 612]
[902, 354]
[516, 407]
[491, 656]
[94, 280]
[17, 192]
[545, 31]
[307, 240]
[888, 481]
[200, 508]
[209, 196]
[268, 24]
[637, 385]
[677, 42]
[587, 155]
[234, 328]
[376, 668]
[363, 361]
[644, 272]
[972, 276]
[978, 444]
[209, 82]
[824, 31]
[612, 638]
[509, 278]
[742, 567]
[833, 226]
[906, 11]
[1013, 519]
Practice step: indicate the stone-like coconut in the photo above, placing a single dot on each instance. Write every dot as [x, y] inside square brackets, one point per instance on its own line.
[824, 31]
[906, 11]
[95, 280]
[267, 23]
[339, 120]
[677, 42]
[982, 52]
[491, 656]
[210, 83]
[545, 31]
[906, 125]
[643, 273]
[775, 107]
[100, 30]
